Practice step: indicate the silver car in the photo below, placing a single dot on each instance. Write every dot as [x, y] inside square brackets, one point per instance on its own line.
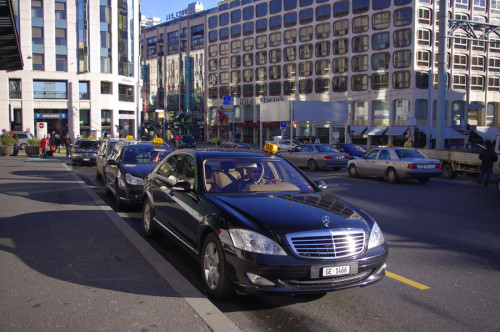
[394, 164]
[315, 156]
[107, 145]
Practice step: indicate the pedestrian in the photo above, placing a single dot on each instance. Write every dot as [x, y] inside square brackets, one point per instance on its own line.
[409, 142]
[488, 157]
[43, 146]
[176, 139]
[58, 143]
[67, 143]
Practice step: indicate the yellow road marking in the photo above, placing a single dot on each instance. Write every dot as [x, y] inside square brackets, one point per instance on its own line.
[406, 281]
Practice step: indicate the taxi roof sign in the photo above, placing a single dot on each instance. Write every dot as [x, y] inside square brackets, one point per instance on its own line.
[129, 137]
[158, 140]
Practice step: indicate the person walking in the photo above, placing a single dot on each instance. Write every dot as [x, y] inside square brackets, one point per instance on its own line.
[409, 142]
[58, 143]
[488, 157]
[67, 144]
[43, 146]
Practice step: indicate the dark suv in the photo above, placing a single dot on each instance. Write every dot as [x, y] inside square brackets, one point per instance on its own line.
[187, 142]
[85, 151]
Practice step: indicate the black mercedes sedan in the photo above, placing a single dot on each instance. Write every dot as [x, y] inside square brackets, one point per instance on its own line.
[257, 224]
[127, 166]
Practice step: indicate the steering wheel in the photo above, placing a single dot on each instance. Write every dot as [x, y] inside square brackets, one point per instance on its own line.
[273, 181]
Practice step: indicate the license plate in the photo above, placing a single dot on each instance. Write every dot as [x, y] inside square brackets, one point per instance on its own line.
[86, 159]
[336, 270]
[429, 166]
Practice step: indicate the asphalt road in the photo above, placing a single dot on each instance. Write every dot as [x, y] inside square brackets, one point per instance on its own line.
[443, 265]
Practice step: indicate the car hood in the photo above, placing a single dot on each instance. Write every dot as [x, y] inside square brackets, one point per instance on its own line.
[280, 214]
[137, 170]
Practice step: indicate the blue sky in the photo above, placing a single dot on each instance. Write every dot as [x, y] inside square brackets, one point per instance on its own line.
[160, 8]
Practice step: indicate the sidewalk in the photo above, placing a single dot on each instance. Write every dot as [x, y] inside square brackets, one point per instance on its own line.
[68, 261]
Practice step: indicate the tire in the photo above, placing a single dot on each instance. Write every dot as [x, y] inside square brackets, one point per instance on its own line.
[313, 165]
[23, 146]
[423, 180]
[391, 175]
[447, 171]
[352, 171]
[147, 220]
[213, 268]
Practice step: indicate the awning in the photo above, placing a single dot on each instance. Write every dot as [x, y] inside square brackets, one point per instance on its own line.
[488, 133]
[396, 131]
[375, 130]
[449, 133]
[357, 130]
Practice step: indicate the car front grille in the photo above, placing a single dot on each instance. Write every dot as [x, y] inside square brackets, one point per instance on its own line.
[328, 244]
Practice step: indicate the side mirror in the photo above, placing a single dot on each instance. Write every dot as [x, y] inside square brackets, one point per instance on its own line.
[321, 185]
[182, 186]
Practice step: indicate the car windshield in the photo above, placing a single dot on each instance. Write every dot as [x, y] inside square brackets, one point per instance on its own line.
[89, 144]
[325, 148]
[188, 138]
[255, 174]
[143, 155]
[409, 154]
[357, 148]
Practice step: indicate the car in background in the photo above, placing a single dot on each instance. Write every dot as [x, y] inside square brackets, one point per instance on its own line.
[85, 152]
[284, 235]
[107, 145]
[215, 140]
[187, 141]
[127, 167]
[353, 150]
[316, 156]
[235, 144]
[395, 163]
[21, 136]
[287, 145]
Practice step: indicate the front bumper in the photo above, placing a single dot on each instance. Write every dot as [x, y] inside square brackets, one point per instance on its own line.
[84, 158]
[290, 275]
[131, 195]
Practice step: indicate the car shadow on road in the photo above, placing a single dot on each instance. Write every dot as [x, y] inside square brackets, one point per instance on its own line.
[78, 246]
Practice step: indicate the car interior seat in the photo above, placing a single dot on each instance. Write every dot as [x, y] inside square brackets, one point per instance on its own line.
[227, 178]
[210, 184]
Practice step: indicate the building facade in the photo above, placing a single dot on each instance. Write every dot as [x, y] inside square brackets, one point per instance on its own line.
[378, 56]
[81, 68]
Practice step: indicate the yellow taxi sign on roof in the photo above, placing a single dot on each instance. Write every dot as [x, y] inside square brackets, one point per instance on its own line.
[91, 137]
[129, 137]
[270, 148]
[158, 140]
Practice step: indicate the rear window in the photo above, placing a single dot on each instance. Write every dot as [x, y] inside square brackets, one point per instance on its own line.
[89, 144]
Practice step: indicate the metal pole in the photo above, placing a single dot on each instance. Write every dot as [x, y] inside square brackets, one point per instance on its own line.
[441, 100]
[429, 107]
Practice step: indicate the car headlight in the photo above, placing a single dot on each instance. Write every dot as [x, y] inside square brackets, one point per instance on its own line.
[134, 180]
[376, 237]
[255, 242]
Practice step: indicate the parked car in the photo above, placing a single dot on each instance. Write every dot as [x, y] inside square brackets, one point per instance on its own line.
[394, 164]
[235, 144]
[215, 140]
[284, 235]
[351, 149]
[127, 166]
[105, 149]
[85, 151]
[316, 156]
[187, 141]
[287, 145]
[22, 138]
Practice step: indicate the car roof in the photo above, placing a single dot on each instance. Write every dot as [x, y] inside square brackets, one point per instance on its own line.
[205, 154]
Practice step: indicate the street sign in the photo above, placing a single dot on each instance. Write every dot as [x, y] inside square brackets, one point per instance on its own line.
[227, 102]
[282, 125]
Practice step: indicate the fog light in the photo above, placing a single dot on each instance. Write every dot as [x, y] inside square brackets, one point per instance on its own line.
[258, 280]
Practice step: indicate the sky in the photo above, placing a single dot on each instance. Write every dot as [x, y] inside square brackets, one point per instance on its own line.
[161, 8]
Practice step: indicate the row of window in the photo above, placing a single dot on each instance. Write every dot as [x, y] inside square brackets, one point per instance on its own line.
[43, 89]
[360, 24]
[376, 81]
[338, 9]
[338, 65]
